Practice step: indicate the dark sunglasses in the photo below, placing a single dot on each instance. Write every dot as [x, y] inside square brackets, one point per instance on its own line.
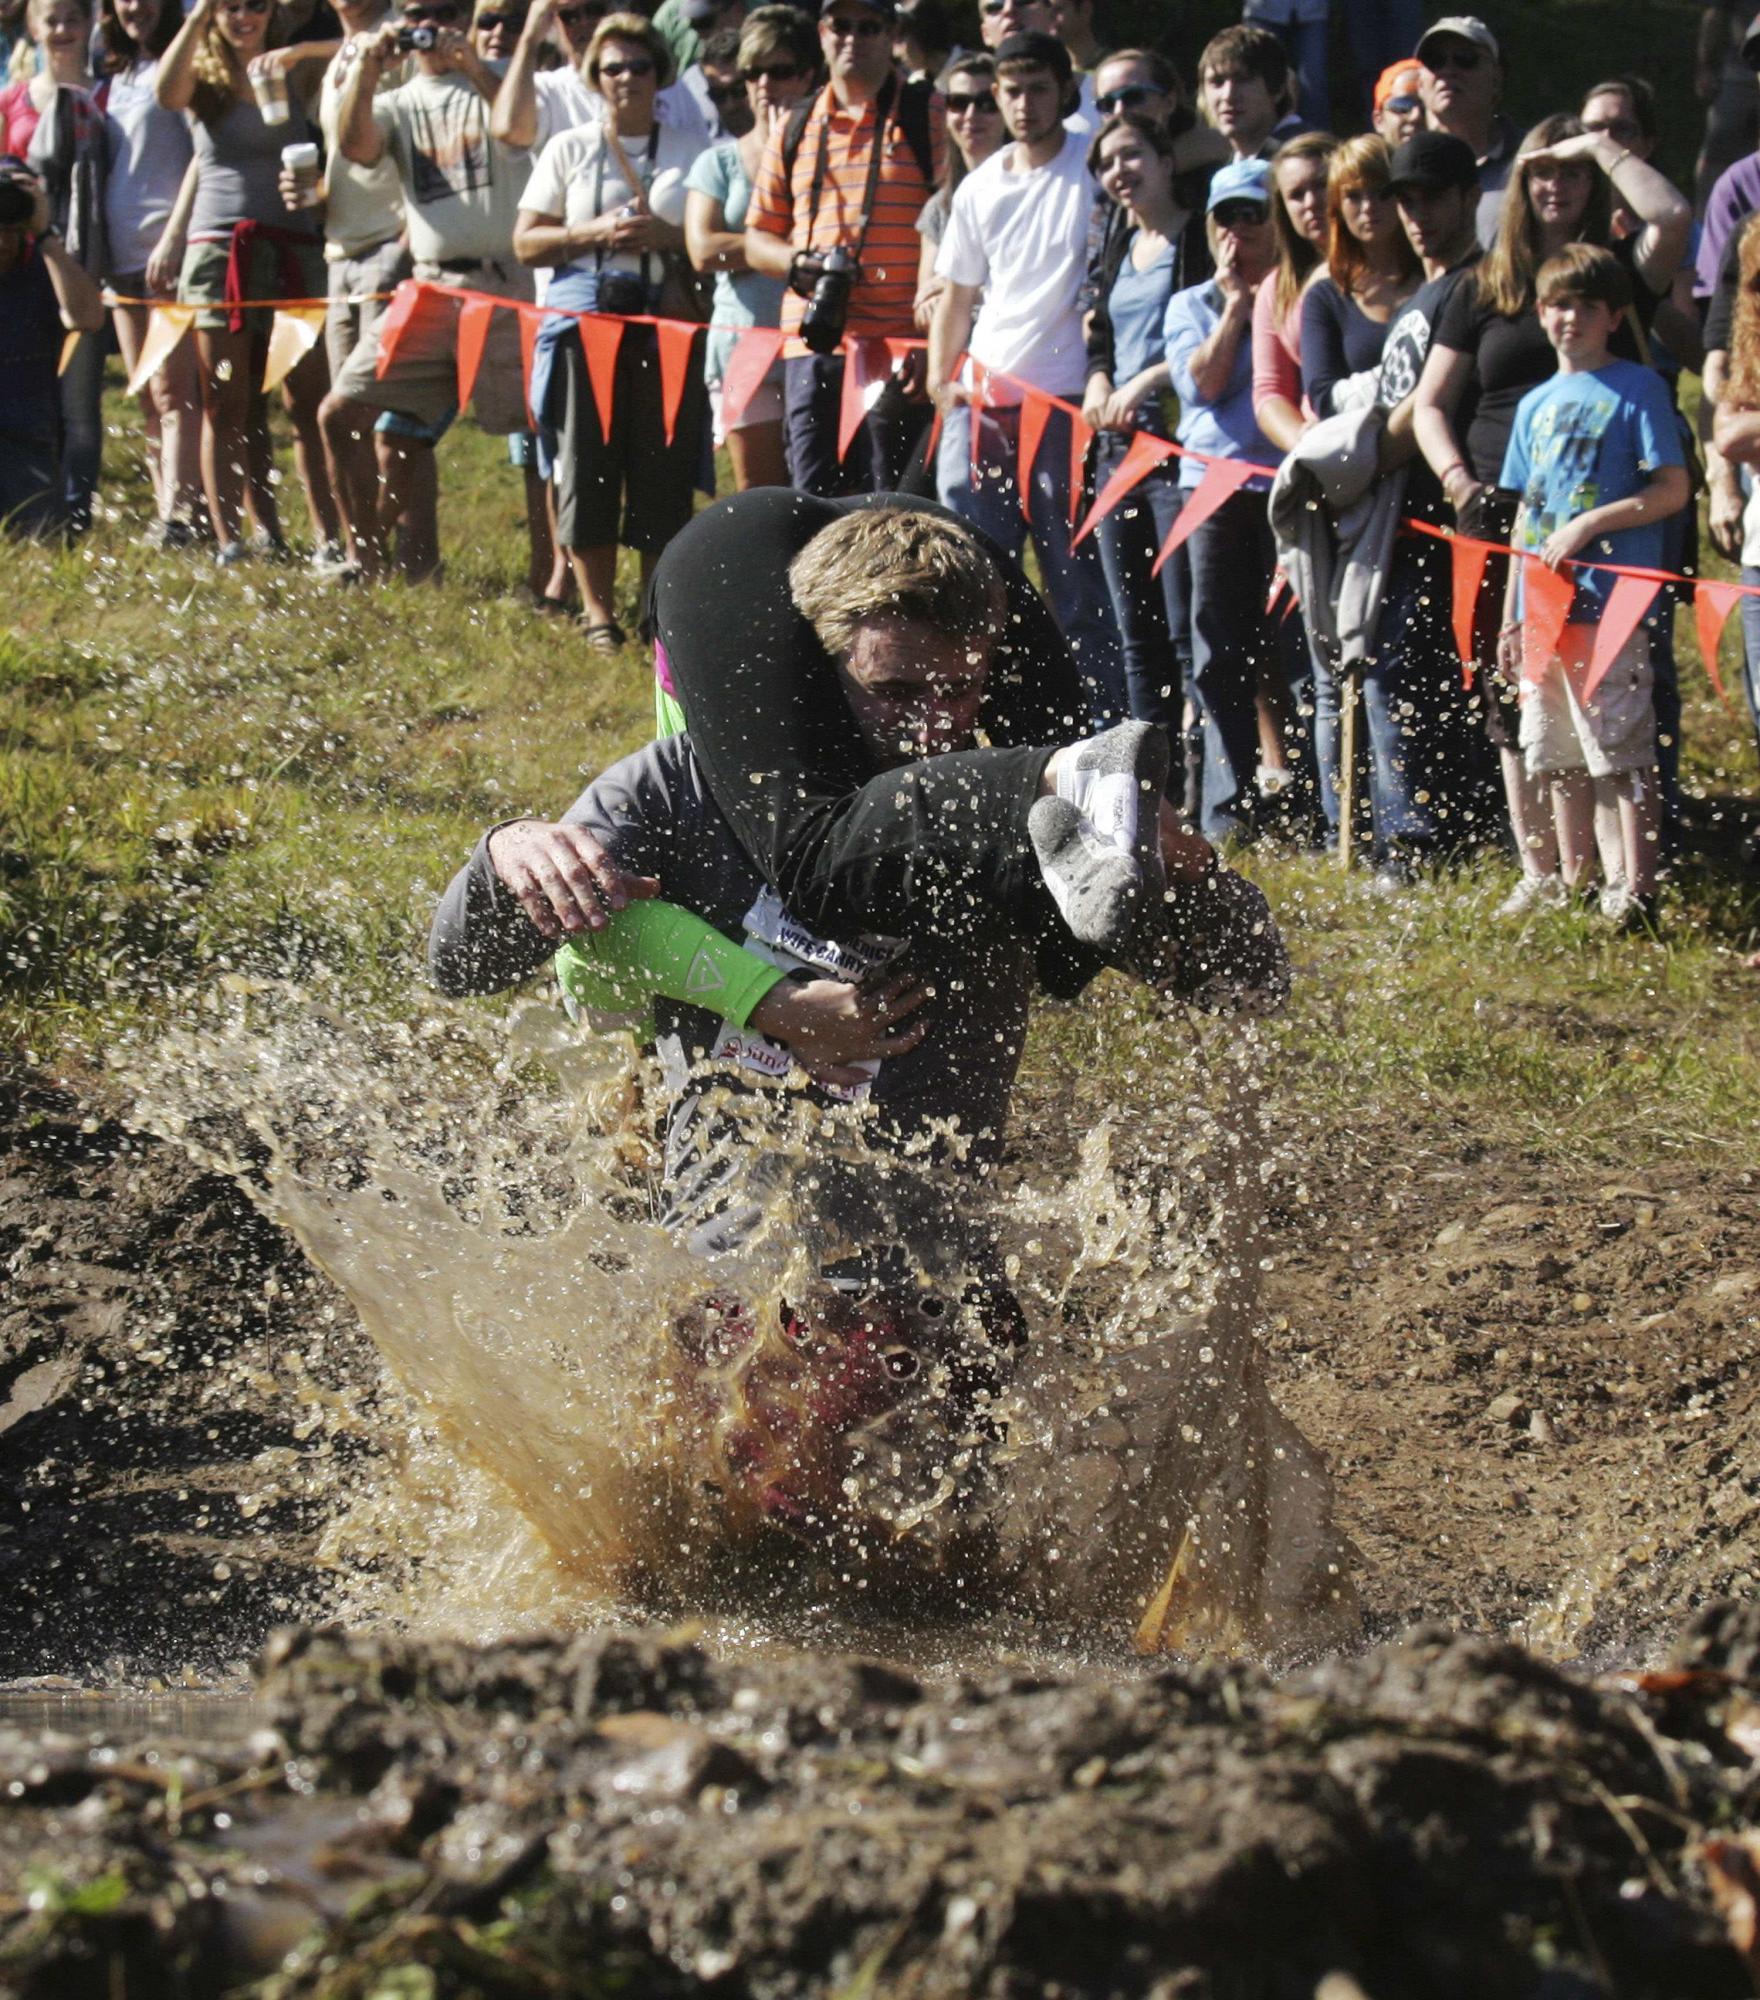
[488, 23]
[981, 102]
[863, 27]
[775, 73]
[1454, 55]
[1237, 215]
[1125, 98]
[442, 14]
[994, 6]
[1404, 105]
[636, 66]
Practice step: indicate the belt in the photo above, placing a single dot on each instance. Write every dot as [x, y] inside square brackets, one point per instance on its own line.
[464, 264]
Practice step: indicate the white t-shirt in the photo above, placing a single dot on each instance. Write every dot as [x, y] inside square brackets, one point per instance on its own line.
[149, 150]
[564, 101]
[365, 207]
[1023, 237]
[578, 178]
[462, 189]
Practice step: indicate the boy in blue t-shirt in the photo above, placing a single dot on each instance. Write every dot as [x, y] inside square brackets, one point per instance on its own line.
[1596, 457]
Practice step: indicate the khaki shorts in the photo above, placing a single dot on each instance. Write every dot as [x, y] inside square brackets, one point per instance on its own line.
[353, 308]
[202, 281]
[422, 381]
[1615, 731]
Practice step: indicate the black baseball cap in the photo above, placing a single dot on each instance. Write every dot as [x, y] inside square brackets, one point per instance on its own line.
[888, 8]
[1432, 160]
[1033, 45]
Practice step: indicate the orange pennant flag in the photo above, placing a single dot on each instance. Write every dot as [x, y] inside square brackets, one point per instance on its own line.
[1712, 604]
[473, 332]
[1627, 603]
[414, 296]
[166, 328]
[1469, 560]
[293, 333]
[1080, 437]
[1223, 479]
[676, 337]
[866, 365]
[1546, 609]
[601, 337]
[1035, 412]
[754, 354]
[1146, 452]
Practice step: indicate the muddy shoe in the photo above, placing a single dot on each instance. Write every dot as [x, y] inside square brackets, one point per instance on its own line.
[1099, 890]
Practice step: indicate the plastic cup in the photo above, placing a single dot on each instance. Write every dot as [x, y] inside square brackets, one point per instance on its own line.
[301, 162]
[270, 89]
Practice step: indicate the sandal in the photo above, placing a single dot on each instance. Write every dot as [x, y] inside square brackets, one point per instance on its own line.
[607, 638]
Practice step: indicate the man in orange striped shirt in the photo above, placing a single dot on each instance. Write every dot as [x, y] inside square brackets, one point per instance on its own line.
[801, 211]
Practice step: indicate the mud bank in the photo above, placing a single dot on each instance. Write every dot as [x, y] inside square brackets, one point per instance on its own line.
[624, 1814]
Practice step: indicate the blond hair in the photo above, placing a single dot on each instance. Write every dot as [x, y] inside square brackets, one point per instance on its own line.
[897, 563]
[1508, 269]
[635, 28]
[1362, 162]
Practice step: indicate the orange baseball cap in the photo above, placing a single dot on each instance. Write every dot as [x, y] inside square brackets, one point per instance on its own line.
[1398, 79]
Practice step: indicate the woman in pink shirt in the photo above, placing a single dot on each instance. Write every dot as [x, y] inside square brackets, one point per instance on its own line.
[1298, 219]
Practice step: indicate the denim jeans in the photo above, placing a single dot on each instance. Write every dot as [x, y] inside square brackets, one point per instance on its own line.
[1153, 612]
[1751, 649]
[1431, 785]
[82, 426]
[987, 496]
[1233, 558]
[880, 451]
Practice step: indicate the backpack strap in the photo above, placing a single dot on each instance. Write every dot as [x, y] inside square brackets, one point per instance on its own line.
[912, 113]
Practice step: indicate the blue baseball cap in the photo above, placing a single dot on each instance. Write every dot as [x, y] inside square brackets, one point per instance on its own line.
[1240, 180]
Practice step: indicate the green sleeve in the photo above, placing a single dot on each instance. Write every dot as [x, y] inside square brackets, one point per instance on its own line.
[668, 712]
[656, 948]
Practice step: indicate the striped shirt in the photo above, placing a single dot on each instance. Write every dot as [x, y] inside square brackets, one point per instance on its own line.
[783, 206]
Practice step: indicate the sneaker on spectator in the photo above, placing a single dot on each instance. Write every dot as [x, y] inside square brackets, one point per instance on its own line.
[234, 555]
[1532, 893]
[272, 548]
[1622, 910]
[331, 557]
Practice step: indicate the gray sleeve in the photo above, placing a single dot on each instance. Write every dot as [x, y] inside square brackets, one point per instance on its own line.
[1219, 947]
[481, 940]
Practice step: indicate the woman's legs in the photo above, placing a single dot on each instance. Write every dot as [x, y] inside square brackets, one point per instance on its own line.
[595, 574]
[1129, 538]
[302, 393]
[225, 360]
[1229, 582]
[171, 402]
[757, 456]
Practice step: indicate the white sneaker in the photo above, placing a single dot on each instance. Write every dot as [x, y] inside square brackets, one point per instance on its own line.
[1615, 902]
[1534, 892]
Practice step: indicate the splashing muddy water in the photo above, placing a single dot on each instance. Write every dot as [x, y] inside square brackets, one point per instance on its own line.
[477, 1189]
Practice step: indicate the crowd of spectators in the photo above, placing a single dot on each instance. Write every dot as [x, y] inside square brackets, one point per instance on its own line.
[1363, 330]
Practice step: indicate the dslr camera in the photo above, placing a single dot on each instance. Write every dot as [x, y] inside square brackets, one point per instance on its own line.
[420, 36]
[827, 310]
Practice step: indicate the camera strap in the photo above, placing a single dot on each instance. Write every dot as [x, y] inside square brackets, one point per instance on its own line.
[883, 110]
[638, 186]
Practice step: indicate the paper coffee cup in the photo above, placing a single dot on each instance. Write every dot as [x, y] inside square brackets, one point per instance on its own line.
[301, 162]
[270, 89]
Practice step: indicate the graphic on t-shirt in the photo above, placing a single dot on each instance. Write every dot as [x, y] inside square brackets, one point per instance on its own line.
[1564, 453]
[1402, 357]
[449, 155]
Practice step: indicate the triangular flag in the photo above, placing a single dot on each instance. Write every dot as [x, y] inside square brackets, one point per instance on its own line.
[68, 349]
[293, 333]
[677, 337]
[754, 354]
[412, 298]
[1146, 452]
[1546, 609]
[866, 365]
[1035, 411]
[1712, 604]
[531, 322]
[1223, 479]
[1469, 560]
[977, 401]
[474, 317]
[601, 337]
[166, 327]
[1627, 602]
[1081, 436]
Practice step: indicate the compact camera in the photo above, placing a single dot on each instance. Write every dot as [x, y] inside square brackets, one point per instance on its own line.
[827, 310]
[621, 292]
[419, 37]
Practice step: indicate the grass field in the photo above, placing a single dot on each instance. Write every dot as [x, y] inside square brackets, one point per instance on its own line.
[257, 774]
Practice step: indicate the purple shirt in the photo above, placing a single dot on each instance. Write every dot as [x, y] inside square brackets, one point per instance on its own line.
[1735, 195]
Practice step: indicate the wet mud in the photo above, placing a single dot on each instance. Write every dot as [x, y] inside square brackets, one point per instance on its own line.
[1535, 1386]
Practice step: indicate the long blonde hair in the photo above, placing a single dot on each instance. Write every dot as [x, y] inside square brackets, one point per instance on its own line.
[1506, 277]
[1743, 389]
[1296, 256]
[221, 78]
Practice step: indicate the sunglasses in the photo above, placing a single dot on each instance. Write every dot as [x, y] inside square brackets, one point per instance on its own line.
[981, 102]
[1455, 55]
[776, 73]
[1125, 98]
[1237, 215]
[636, 66]
[440, 14]
[863, 27]
[488, 23]
[996, 6]
[1405, 106]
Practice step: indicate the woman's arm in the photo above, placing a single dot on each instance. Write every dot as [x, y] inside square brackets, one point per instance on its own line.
[928, 284]
[1667, 217]
[1323, 359]
[1277, 377]
[175, 83]
[547, 240]
[709, 243]
[1446, 373]
[166, 261]
[514, 118]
